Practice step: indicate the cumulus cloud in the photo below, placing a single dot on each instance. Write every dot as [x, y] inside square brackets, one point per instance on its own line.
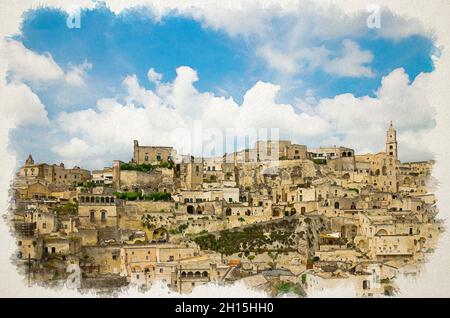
[76, 73]
[25, 65]
[362, 120]
[21, 106]
[350, 61]
[152, 116]
[154, 76]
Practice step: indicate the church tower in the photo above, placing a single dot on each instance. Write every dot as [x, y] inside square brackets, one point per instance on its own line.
[391, 142]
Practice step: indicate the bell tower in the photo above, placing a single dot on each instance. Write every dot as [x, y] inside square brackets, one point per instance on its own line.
[391, 142]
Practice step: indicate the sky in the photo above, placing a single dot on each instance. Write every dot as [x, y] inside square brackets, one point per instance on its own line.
[81, 94]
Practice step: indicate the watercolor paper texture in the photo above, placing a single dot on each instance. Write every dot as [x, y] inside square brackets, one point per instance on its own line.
[246, 149]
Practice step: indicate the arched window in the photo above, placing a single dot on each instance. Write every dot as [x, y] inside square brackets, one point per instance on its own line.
[92, 215]
[353, 206]
[190, 209]
[198, 274]
[336, 205]
[303, 210]
[228, 212]
[103, 214]
[205, 274]
[190, 274]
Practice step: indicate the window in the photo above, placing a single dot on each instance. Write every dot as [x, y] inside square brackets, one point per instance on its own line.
[44, 225]
[103, 216]
[146, 158]
[161, 270]
[92, 216]
[366, 284]
[158, 157]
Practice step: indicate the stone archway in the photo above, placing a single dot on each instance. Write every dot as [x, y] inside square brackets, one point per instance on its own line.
[190, 209]
[160, 235]
[381, 232]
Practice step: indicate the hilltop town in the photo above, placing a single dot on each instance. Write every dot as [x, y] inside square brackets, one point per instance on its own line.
[309, 220]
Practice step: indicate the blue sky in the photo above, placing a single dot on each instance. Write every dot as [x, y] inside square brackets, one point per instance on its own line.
[229, 65]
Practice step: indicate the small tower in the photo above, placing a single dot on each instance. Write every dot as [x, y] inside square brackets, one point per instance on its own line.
[135, 151]
[391, 142]
[29, 160]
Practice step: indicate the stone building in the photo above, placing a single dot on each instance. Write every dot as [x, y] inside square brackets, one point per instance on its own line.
[152, 154]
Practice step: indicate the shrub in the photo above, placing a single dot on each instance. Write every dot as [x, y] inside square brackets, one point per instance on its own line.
[320, 161]
[145, 167]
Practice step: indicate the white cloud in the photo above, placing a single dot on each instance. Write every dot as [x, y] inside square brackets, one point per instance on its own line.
[362, 120]
[75, 75]
[351, 62]
[25, 65]
[20, 106]
[154, 76]
[289, 34]
[152, 116]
